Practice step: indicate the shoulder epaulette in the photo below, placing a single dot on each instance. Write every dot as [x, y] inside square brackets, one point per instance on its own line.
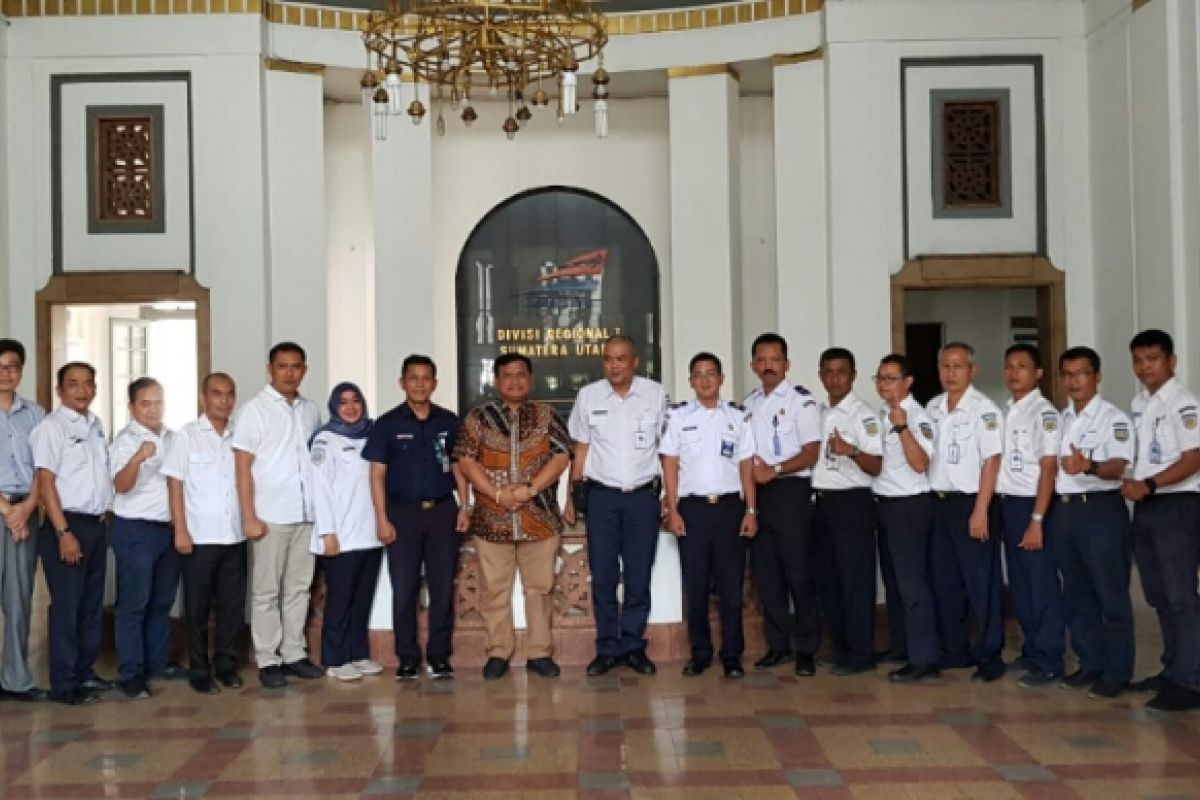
[680, 404]
[801, 390]
[737, 405]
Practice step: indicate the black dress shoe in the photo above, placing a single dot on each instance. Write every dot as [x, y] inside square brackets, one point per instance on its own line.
[1107, 690]
[1152, 685]
[76, 697]
[272, 677]
[1174, 697]
[97, 684]
[601, 665]
[1079, 679]
[230, 679]
[890, 657]
[915, 673]
[134, 689]
[806, 665]
[1038, 679]
[989, 673]
[202, 684]
[34, 695]
[408, 669]
[171, 672]
[844, 669]
[695, 666]
[304, 669]
[640, 663]
[773, 658]
[733, 668]
[544, 666]
[440, 669]
[495, 668]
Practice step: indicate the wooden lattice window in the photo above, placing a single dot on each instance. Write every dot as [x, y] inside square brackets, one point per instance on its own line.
[971, 158]
[126, 166]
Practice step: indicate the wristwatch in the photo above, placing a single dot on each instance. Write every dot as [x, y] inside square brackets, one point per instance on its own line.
[1092, 468]
[62, 532]
[752, 511]
[1151, 485]
[778, 469]
[1037, 517]
[899, 429]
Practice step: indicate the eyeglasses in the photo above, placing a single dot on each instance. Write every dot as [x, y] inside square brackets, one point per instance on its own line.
[887, 378]
[11, 367]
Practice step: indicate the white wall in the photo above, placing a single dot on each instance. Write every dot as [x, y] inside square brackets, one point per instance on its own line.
[979, 317]
[5, 311]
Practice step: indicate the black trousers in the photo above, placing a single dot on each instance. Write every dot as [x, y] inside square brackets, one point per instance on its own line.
[780, 554]
[904, 527]
[214, 583]
[1166, 546]
[350, 581]
[966, 579]
[423, 537]
[622, 540]
[846, 535]
[76, 600]
[713, 554]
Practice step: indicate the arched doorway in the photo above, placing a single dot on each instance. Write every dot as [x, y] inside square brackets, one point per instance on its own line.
[551, 273]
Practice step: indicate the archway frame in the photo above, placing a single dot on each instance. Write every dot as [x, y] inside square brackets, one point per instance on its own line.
[111, 288]
[993, 271]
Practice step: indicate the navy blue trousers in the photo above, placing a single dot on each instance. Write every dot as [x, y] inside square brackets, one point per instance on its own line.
[712, 554]
[1034, 588]
[622, 540]
[904, 528]
[966, 580]
[845, 524]
[147, 584]
[424, 537]
[350, 580]
[781, 555]
[1166, 544]
[1089, 537]
[76, 600]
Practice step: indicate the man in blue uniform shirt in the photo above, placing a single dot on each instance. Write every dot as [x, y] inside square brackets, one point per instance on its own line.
[412, 487]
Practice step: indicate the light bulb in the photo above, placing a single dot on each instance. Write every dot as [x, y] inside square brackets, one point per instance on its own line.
[568, 92]
[601, 112]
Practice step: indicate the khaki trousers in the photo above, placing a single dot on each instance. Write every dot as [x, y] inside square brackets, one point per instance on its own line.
[281, 576]
[498, 564]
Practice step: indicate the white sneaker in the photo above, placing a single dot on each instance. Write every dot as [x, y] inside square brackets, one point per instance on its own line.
[368, 667]
[346, 672]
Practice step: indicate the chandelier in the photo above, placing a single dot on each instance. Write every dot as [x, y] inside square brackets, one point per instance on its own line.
[514, 49]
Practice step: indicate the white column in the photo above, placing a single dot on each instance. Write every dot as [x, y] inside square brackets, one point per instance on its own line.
[295, 164]
[402, 199]
[801, 211]
[705, 231]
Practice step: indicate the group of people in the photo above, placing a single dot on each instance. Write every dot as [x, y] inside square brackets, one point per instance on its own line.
[819, 493]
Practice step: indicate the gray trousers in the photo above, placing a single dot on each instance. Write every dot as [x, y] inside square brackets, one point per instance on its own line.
[18, 563]
[281, 576]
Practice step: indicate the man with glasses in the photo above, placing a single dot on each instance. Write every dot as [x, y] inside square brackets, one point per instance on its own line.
[1165, 489]
[1088, 533]
[964, 557]
[18, 501]
[905, 517]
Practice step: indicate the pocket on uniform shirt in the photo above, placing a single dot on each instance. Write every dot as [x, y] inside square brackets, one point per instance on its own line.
[350, 456]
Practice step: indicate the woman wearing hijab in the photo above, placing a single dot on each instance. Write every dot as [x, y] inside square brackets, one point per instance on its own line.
[344, 536]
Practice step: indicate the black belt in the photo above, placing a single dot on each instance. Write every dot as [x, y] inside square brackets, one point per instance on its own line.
[887, 498]
[1084, 497]
[96, 518]
[654, 485]
[712, 499]
[947, 495]
[15, 498]
[423, 505]
[840, 492]
[156, 522]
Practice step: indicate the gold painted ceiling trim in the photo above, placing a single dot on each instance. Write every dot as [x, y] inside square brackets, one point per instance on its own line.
[344, 19]
[787, 59]
[703, 69]
[298, 67]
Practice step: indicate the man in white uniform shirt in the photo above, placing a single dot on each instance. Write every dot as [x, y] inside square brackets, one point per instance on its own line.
[275, 493]
[1165, 488]
[964, 556]
[1088, 533]
[707, 458]
[851, 456]
[208, 535]
[787, 431]
[73, 484]
[1028, 470]
[142, 542]
[905, 519]
[615, 426]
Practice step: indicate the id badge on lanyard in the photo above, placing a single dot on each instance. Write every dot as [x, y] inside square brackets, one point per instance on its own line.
[1016, 462]
[1156, 451]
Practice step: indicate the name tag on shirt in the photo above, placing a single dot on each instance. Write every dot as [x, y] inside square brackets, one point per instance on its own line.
[727, 447]
[952, 453]
[641, 439]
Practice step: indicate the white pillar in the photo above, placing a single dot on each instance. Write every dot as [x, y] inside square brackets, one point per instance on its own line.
[402, 199]
[801, 210]
[295, 165]
[705, 127]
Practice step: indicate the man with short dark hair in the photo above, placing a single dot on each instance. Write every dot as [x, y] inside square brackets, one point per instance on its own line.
[1088, 533]
[18, 501]
[275, 493]
[76, 491]
[1165, 489]
[786, 423]
[413, 481]
[615, 424]
[513, 450]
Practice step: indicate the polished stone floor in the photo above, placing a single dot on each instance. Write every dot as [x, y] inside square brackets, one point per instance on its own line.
[770, 735]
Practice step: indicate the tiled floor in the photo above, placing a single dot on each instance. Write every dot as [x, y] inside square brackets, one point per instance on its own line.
[621, 736]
